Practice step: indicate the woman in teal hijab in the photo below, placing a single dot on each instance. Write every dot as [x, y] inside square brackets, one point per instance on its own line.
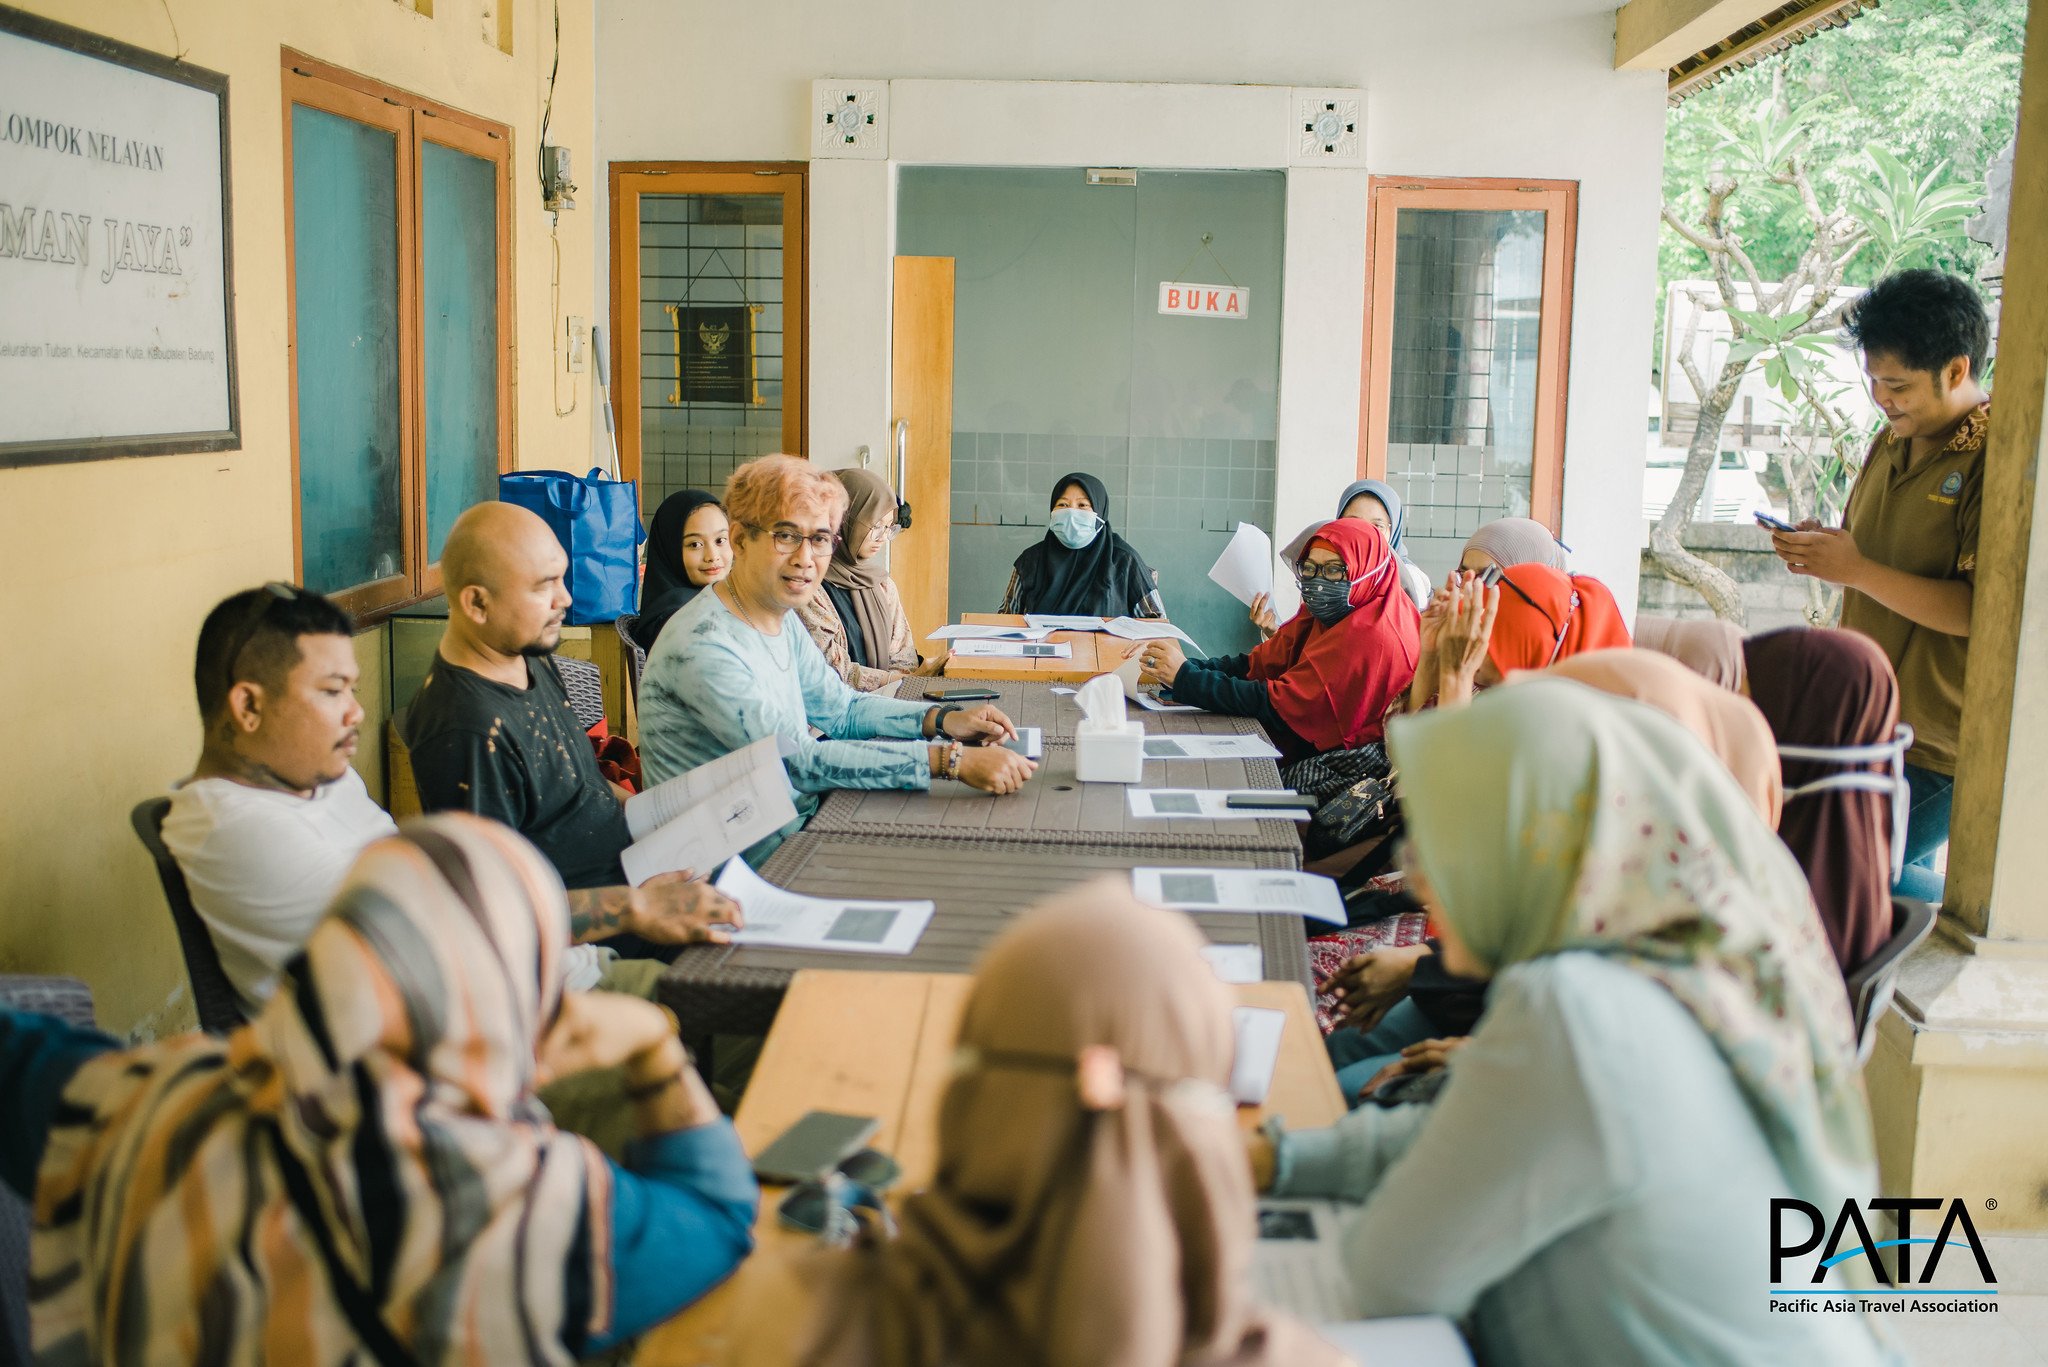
[1666, 1048]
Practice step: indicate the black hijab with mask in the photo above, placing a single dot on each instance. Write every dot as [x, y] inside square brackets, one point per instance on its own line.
[1105, 578]
[666, 589]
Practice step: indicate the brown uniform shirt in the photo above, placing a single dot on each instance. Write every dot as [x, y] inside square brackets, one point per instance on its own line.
[1922, 521]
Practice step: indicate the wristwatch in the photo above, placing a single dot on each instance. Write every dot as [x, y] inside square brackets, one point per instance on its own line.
[945, 710]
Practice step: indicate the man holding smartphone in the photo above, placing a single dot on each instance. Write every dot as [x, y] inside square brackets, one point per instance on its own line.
[1906, 554]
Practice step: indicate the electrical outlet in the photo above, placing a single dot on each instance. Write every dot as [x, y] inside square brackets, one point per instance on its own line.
[579, 344]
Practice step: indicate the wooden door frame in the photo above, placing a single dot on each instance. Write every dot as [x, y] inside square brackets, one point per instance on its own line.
[1559, 200]
[626, 181]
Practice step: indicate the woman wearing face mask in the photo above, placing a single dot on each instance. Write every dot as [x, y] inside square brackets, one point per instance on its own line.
[1367, 500]
[1834, 690]
[1081, 567]
[1324, 683]
[688, 549]
[856, 616]
[1666, 1051]
[1485, 627]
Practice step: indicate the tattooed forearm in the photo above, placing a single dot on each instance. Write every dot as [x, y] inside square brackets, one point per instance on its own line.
[599, 913]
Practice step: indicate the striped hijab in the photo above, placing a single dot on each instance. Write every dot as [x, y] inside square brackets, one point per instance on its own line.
[393, 1072]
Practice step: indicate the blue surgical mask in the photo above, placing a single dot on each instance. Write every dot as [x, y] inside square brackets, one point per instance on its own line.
[1328, 603]
[1075, 527]
[1891, 754]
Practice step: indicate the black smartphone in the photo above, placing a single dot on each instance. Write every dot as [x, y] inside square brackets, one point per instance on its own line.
[1271, 802]
[1776, 524]
[963, 695]
[817, 1143]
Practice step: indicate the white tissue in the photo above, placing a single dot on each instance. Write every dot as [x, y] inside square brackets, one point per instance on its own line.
[1102, 699]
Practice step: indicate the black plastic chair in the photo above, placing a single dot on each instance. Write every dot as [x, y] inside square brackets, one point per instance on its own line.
[70, 1000]
[636, 658]
[1872, 983]
[220, 1010]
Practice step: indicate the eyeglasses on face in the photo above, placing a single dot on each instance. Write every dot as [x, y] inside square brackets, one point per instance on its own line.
[786, 538]
[1330, 571]
[886, 530]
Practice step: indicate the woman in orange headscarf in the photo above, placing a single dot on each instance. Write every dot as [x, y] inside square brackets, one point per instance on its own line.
[1487, 626]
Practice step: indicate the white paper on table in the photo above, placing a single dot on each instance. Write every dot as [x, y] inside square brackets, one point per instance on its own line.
[1030, 742]
[1206, 804]
[1209, 747]
[739, 800]
[1245, 569]
[779, 918]
[1273, 892]
[968, 631]
[1127, 673]
[1063, 691]
[1014, 650]
[1055, 621]
[1259, 1029]
[1236, 963]
[1140, 629]
[1298, 1265]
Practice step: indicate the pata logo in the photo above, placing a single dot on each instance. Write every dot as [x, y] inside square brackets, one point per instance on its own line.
[1797, 1228]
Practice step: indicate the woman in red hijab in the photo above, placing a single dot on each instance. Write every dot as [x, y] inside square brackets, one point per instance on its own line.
[1525, 617]
[1325, 681]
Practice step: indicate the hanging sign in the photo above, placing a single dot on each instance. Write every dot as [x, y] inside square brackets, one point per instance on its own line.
[116, 337]
[714, 354]
[1185, 300]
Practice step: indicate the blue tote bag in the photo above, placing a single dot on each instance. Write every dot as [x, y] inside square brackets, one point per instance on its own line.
[597, 520]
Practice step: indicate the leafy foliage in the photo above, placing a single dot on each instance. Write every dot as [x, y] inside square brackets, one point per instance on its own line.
[1929, 84]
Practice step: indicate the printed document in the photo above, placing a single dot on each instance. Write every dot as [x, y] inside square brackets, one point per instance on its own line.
[700, 819]
[967, 631]
[1276, 892]
[1055, 621]
[1013, 650]
[1236, 963]
[780, 919]
[1204, 803]
[1209, 747]
[1298, 1263]
[1128, 672]
[1245, 569]
[1142, 629]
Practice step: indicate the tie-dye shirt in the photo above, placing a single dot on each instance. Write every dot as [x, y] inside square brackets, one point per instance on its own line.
[715, 685]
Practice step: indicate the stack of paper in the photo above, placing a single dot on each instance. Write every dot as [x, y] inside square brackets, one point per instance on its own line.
[1055, 621]
[1209, 747]
[783, 919]
[700, 819]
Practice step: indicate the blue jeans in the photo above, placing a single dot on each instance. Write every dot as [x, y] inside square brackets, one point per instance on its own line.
[1358, 1054]
[1926, 833]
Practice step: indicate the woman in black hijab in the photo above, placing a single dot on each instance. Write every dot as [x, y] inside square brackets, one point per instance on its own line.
[688, 548]
[1081, 567]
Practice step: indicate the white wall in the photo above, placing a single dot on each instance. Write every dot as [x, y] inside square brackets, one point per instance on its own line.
[1521, 88]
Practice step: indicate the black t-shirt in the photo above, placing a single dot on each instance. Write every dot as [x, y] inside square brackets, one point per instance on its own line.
[517, 756]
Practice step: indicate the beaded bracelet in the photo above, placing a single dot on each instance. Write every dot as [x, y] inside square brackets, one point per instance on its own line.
[953, 754]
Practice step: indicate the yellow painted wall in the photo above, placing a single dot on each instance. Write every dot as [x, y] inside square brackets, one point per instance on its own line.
[111, 565]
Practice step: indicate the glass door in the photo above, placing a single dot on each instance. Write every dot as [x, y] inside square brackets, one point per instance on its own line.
[1063, 361]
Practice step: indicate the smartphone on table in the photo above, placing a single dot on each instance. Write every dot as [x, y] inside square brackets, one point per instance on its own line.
[963, 695]
[815, 1144]
[1776, 524]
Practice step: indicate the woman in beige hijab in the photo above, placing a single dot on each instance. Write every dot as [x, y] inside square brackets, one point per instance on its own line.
[856, 614]
[1709, 647]
[1092, 1205]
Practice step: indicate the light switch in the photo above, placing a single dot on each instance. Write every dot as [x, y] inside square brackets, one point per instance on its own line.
[579, 344]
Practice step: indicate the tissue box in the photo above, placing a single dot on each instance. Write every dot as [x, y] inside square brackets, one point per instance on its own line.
[1112, 752]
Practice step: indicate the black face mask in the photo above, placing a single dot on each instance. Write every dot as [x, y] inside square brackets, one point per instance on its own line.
[1329, 603]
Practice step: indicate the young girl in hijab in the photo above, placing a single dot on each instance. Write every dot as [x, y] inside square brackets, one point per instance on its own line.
[363, 1173]
[1367, 500]
[1081, 567]
[1091, 1205]
[1833, 690]
[688, 548]
[1666, 1050]
[856, 616]
[1326, 680]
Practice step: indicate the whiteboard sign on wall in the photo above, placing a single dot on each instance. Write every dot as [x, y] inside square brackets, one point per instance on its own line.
[116, 337]
[1184, 300]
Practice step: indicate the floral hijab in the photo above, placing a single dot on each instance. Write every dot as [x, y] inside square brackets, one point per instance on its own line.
[1551, 817]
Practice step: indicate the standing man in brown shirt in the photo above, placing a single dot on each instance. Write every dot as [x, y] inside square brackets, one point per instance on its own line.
[1906, 554]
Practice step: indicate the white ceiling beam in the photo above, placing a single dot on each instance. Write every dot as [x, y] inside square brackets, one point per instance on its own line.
[1656, 35]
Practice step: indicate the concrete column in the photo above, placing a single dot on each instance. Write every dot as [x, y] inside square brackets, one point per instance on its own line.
[1959, 1085]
